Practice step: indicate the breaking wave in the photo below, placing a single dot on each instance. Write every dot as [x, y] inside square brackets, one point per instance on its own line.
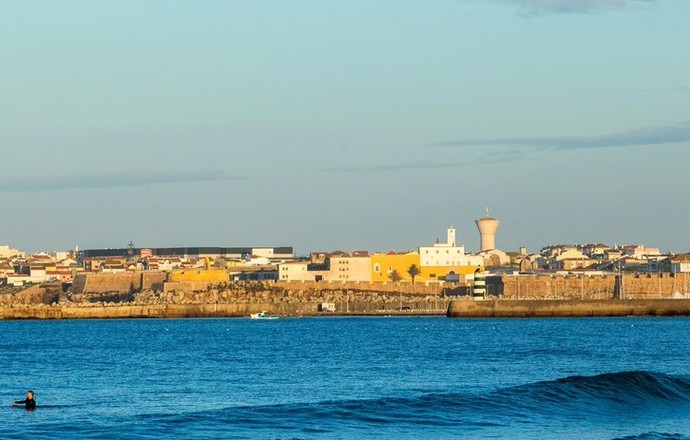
[602, 399]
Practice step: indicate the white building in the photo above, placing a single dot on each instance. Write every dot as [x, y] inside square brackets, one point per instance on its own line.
[274, 254]
[294, 271]
[640, 251]
[349, 268]
[447, 254]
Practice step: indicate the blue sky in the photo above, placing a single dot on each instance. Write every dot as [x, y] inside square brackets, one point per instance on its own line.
[330, 125]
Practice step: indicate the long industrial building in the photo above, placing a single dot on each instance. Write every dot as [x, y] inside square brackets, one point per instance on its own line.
[272, 253]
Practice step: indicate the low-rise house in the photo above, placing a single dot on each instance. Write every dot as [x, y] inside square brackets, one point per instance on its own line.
[564, 257]
[18, 279]
[62, 275]
[595, 250]
[112, 266]
[677, 264]
[680, 263]
[613, 254]
[529, 262]
[34, 275]
[8, 252]
[162, 264]
[640, 252]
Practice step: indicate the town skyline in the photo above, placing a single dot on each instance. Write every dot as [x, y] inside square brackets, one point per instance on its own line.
[324, 125]
[299, 252]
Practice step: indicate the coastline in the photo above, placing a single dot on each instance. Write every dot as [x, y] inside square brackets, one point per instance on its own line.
[499, 308]
[144, 295]
[120, 311]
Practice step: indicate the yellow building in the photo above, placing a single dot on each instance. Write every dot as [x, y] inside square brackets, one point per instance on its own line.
[383, 265]
[204, 275]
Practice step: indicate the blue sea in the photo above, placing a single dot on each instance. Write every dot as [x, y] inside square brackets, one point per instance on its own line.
[348, 378]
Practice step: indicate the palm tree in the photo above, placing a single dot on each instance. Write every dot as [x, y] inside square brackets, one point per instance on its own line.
[394, 276]
[413, 271]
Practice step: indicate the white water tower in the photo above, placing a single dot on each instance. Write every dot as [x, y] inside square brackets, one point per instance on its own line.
[487, 231]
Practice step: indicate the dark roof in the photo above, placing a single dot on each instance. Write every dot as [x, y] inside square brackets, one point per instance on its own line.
[179, 251]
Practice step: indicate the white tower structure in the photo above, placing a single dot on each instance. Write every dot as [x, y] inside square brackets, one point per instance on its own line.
[451, 236]
[487, 231]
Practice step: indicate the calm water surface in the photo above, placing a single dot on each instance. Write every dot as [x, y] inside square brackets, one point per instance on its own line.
[348, 378]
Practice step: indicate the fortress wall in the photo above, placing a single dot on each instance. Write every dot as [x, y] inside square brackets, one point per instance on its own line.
[635, 286]
[87, 283]
[662, 285]
[153, 280]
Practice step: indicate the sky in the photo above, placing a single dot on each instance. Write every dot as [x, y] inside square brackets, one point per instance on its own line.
[359, 124]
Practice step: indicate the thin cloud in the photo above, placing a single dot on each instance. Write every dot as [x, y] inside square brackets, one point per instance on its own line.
[109, 180]
[671, 134]
[489, 157]
[536, 7]
[422, 165]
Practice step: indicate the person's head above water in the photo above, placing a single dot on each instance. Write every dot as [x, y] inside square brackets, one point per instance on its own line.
[29, 401]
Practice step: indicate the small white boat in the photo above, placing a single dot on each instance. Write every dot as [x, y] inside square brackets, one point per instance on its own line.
[263, 315]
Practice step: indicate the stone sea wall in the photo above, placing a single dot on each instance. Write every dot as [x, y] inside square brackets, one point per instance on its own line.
[567, 308]
[634, 286]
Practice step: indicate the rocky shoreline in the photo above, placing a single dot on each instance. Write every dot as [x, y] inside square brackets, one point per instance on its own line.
[225, 300]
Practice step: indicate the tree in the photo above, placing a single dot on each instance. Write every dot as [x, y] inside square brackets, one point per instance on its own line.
[413, 271]
[394, 276]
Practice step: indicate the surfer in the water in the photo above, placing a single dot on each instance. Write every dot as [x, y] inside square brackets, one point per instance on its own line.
[29, 401]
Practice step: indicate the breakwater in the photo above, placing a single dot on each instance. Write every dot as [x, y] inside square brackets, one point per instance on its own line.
[567, 308]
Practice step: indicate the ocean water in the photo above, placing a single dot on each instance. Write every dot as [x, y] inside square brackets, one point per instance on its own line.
[348, 378]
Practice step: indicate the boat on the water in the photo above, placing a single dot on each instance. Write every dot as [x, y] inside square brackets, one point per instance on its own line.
[263, 315]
